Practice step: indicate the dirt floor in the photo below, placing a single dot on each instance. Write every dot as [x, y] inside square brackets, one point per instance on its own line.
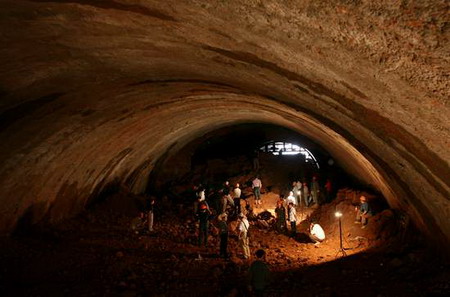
[97, 254]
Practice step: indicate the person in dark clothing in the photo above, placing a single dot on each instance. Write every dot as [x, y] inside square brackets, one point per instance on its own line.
[203, 217]
[258, 275]
[150, 206]
[226, 188]
[280, 213]
[223, 232]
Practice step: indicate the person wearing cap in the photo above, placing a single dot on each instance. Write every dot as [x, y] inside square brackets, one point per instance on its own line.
[363, 212]
[223, 233]
[242, 229]
[316, 233]
[258, 274]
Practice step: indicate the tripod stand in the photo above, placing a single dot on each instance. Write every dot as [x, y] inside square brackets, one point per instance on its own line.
[341, 250]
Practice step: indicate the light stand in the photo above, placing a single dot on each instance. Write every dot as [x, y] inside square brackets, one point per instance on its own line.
[341, 250]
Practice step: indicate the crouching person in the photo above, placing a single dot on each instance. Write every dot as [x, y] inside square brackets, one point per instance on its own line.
[316, 233]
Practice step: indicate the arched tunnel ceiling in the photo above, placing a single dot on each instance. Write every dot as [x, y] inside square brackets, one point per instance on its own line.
[94, 91]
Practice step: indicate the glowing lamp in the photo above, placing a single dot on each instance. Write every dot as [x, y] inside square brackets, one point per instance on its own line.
[338, 214]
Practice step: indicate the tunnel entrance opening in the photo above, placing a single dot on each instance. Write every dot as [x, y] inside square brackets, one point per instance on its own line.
[230, 151]
[281, 148]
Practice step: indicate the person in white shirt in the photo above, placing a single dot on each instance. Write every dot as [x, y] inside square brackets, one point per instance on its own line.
[237, 199]
[291, 199]
[316, 233]
[298, 193]
[242, 230]
[256, 186]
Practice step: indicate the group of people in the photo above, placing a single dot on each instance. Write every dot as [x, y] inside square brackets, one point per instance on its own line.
[204, 216]
[227, 198]
[303, 195]
[230, 206]
[258, 274]
[224, 200]
[230, 199]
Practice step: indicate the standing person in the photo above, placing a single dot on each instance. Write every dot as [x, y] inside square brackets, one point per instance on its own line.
[294, 186]
[295, 189]
[258, 274]
[280, 212]
[242, 229]
[237, 199]
[292, 219]
[150, 213]
[291, 199]
[316, 233]
[203, 218]
[200, 198]
[226, 188]
[225, 200]
[305, 194]
[315, 190]
[223, 231]
[256, 186]
[363, 212]
[226, 197]
[298, 193]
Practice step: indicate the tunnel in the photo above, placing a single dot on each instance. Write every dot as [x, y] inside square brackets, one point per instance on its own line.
[102, 92]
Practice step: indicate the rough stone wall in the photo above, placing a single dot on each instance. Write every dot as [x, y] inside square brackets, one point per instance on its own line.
[94, 91]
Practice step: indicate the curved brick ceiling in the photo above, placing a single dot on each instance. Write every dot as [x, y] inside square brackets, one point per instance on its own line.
[96, 91]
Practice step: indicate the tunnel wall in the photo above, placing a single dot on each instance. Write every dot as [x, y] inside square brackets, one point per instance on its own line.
[97, 91]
